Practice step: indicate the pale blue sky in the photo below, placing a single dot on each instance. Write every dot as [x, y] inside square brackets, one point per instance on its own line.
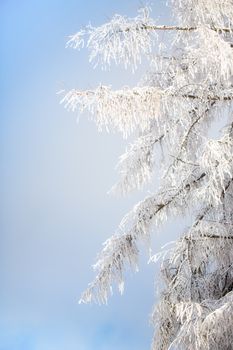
[55, 174]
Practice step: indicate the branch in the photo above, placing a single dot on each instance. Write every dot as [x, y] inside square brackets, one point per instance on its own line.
[208, 97]
[123, 247]
[208, 236]
[136, 164]
[183, 161]
[203, 215]
[124, 40]
[126, 109]
[179, 28]
[185, 139]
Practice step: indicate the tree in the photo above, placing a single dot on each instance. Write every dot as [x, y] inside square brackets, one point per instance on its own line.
[173, 112]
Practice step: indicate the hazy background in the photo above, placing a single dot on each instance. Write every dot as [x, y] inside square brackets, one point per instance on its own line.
[55, 174]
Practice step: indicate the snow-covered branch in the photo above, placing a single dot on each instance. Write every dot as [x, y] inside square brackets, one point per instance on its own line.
[123, 110]
[218, 162]
[129, 109]
[125, 40]
[137, 163]
[122, 40]
[122, 247]
[199, 282]
[203, 12]
[200, 324]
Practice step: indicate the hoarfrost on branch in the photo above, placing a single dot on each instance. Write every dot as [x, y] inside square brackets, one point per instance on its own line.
[188, 90]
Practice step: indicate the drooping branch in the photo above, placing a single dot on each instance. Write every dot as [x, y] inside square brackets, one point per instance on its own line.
[183, 144]
[136, 164]
[205, 325]
[124, 110]
[197, 275]
[216, 159]
[122, 247]
[125, 40]
[127, 109]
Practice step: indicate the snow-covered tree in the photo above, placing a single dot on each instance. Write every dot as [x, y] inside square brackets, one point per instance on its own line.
[174, 113]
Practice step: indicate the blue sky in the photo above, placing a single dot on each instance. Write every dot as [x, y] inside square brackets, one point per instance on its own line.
[55, 174]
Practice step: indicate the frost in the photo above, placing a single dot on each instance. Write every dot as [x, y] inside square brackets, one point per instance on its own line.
[120, 40]
[125, 110]
[171, 113]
